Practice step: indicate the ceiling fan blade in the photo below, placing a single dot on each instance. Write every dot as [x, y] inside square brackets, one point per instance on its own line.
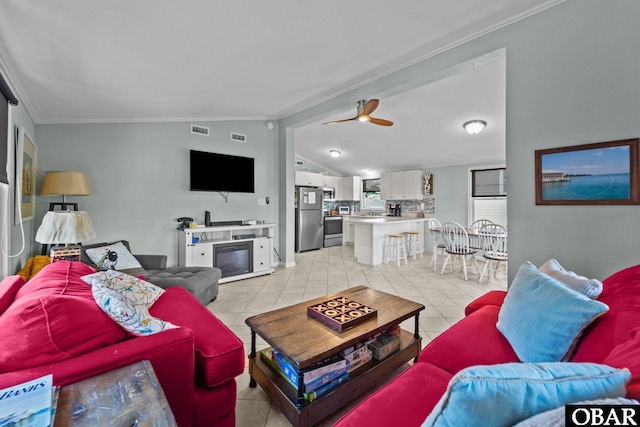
[340, 121]
[381, 122]
[370, 107]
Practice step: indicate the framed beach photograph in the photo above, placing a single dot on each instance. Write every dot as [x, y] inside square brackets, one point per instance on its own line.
[25, 183]
[604, 173]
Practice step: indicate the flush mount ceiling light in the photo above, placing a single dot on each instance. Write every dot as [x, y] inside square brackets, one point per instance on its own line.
[334, 153]
[474, 126]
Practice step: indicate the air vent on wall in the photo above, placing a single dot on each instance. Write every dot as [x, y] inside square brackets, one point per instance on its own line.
[238, 137]
[200, 130]
[299, 163]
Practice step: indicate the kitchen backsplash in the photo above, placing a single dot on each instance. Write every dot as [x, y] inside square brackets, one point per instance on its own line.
[335, 204]
[428, 206]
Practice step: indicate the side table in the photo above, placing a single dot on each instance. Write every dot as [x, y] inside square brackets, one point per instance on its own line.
[127, 396]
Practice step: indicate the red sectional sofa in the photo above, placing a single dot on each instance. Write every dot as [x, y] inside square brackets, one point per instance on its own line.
[612, 339]
[51, 325]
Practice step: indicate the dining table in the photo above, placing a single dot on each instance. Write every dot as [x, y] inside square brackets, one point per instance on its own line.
[474, 236]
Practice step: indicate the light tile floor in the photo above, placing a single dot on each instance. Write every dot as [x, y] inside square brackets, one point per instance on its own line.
[329, 270]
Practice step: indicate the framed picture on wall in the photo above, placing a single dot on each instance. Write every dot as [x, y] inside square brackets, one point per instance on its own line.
[604, 173]
[25, 188]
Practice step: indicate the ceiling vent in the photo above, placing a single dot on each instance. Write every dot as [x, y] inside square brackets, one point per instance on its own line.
[299, 163]
[238, 137]
[200, 130]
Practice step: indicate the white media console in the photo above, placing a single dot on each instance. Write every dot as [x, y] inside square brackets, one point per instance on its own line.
[240, 251]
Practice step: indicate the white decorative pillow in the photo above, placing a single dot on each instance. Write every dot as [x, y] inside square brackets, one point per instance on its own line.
[588, 287]
[126, 299]
[113, 257]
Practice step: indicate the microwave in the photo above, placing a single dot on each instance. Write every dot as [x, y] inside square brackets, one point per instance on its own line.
[328, 193]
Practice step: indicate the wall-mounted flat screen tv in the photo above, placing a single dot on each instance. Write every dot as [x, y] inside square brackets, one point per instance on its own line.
[221, 172]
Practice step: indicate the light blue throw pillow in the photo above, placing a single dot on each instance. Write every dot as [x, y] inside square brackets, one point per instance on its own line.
[542, 318]
[503, 395]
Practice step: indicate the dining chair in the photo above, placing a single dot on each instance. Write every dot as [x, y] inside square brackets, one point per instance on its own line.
[493, 241]
[438, 242]
[477, 225]
[456, 241]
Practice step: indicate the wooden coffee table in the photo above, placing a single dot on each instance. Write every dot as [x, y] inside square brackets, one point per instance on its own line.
[304, 340]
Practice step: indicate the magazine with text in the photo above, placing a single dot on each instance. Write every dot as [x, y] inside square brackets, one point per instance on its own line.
[27, 404]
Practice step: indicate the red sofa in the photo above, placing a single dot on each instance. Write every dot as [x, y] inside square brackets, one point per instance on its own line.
[612, 339]
[52, 325]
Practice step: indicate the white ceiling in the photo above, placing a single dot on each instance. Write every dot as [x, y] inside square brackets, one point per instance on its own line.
[427, 130]
[81, 61]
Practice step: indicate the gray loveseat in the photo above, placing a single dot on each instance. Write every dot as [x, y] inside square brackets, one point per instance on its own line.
[202, 282]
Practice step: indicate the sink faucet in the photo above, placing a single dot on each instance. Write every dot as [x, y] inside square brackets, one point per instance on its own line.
[370, 211]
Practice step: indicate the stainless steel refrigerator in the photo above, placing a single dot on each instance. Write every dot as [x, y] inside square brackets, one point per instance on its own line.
[309, 219]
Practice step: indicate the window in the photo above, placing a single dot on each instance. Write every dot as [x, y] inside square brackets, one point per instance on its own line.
[489, 183]
[371, 195]
[371, 200]
[489, 195]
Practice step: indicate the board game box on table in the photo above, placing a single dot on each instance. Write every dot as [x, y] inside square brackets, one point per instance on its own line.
[341, 313]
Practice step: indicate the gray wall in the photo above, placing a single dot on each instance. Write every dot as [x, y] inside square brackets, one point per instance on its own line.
[139, 177]
[572, 78]
[451, 191]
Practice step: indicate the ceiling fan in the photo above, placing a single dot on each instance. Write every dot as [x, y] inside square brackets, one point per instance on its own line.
[365, 108]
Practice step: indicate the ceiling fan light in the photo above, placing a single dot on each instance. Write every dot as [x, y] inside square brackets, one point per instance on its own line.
[363, 118]
[474, 126]
[334, 153]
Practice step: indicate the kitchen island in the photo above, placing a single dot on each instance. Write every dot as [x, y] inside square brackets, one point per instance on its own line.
[370, 234]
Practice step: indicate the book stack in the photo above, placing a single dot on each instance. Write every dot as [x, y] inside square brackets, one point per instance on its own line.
[319, 379]
[32, 403]
[357, 356]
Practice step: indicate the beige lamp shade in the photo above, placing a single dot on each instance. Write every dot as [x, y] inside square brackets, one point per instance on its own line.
[65, 227]
[65, 183]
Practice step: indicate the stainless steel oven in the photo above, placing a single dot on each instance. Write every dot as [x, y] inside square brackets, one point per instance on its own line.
[332, 231]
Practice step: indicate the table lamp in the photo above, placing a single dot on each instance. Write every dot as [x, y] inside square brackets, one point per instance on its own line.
[65, 228]
[65, 183]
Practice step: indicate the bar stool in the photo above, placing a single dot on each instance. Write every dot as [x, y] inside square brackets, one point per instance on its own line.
[414, 244]
[395, 246]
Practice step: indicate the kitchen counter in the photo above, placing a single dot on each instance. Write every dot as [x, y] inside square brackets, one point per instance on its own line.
[371, 232]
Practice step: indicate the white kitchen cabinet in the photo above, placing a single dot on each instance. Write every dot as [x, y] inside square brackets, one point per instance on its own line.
[397, 185]
[385, 186]
[413, 185]
[402, 185]
[350, 188]
[331, 181]
[309, 179]
[348, 229]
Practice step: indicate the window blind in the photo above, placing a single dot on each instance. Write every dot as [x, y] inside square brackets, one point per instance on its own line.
[6, 98]
[489, 183]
